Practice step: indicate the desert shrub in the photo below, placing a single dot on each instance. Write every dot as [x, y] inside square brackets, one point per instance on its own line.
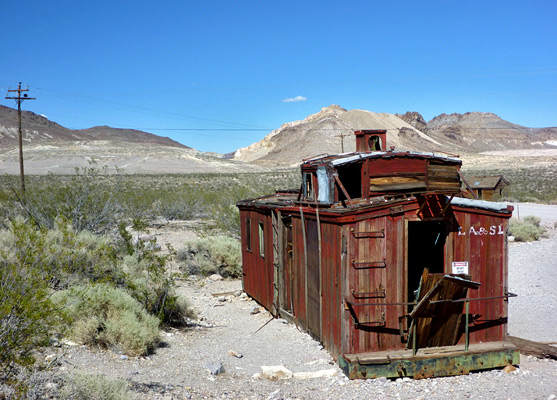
[67, 256]
[81, 386]
[27, 315]
[532, 220]
[182, 205]
[87, 200]
[148, 281]
[150, 284]
[526, 230]
[206, 256]
[107, 316]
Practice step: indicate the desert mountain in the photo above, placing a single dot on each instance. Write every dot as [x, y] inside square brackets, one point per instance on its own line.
[39, 130]
[478, 131]
[321, 133]
[456, 133]
[50, 147]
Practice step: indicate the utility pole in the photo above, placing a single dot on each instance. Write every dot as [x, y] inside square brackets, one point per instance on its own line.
[342, 136]
[19, 99]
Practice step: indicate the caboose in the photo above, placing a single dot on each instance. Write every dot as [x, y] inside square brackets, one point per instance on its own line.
[380, 258]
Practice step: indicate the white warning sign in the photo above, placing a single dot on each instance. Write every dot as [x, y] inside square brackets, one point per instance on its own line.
[460, 267]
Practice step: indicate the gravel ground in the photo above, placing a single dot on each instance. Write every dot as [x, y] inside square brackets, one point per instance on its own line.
[533, 276]
[227, 329]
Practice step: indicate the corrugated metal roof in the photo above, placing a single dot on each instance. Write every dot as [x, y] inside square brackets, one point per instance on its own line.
[343, 159]
[480, 204]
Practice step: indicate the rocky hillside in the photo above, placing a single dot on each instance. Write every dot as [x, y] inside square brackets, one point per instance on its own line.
[477, 132]
[321, 133]
[50, 147]
[39, 130]
[455, 133]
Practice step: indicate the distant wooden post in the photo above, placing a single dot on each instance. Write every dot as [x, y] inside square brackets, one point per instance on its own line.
[342, 136]
[19, 99]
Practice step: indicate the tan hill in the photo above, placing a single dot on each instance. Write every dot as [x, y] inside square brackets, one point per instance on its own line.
[479, 132]
[39, 130]
[455, 133]
[319, 133]
[50, 147]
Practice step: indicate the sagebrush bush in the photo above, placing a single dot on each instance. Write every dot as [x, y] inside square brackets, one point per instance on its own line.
[68, 257]
[150, 284]
[175, 206]
[81, 386]
[97, 201]
[217, 254]
[107, 316]
[27, 316]
[148, 280]
[526, 230]
[87, 201]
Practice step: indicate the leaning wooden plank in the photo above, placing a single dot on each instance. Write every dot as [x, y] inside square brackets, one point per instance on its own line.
[532, 348]
[425, 300]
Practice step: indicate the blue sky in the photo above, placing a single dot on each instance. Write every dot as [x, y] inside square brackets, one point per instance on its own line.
[216, 75]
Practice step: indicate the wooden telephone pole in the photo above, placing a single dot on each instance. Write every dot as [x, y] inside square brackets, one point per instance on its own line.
[19, 99]
[342, 136]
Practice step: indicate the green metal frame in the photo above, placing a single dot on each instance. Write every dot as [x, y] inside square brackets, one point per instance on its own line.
[430, 366]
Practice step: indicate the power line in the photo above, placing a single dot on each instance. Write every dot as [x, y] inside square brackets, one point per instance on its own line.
[19, 99]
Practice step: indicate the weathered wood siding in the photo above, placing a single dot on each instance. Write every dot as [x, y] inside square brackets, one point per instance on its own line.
[299, 273]
[257, 269]
[482, 242]
[331, 288]
[396, 174]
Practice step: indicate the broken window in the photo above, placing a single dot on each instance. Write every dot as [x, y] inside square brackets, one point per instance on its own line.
[248, 235]
[374, 143]
[323, 183]
[308, 185]
[261, 239]
[351, 177]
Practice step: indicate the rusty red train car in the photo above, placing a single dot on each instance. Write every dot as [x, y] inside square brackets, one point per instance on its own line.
[379, 258]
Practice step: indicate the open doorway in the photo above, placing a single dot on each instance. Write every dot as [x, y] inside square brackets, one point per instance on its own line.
[426, 249]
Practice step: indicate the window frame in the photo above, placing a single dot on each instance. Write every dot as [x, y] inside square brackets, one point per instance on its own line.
[248, 235]
[261, 234]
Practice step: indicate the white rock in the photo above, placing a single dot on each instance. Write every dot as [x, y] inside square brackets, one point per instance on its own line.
[235, 354]
[216, 277]
[273, 395]
[324, 373]
[276, 372]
